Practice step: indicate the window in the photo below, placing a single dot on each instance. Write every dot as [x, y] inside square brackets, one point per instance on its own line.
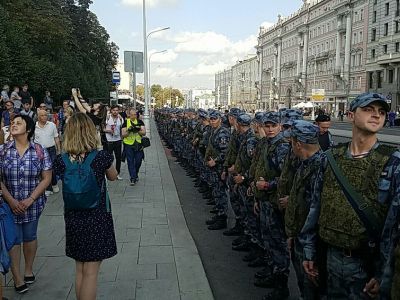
[371, 80]
[385, 48]
[374, 17]
[386, 9]
[385, 29]
[380, 79]
[390, 76]
[373, 35]
[373, 53]
[397, 47]
[361, 14]
[396, 26]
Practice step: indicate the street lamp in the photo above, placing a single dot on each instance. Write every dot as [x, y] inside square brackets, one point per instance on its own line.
[158, 52]
[145, 65]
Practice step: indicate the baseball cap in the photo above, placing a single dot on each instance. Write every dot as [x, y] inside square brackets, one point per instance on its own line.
[244, 119]
[271, 117]
[304, 132]
[366, 99]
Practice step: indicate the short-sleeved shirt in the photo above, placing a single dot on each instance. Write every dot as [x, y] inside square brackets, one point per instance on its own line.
[21, 176]
[45, 135]
[140, 123]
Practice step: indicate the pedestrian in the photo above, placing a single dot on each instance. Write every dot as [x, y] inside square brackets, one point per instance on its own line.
[61, 113]
[26, 169]
[4, 92]
[360, 174]
[113, 128]
[341, 114]
[132, 131]
[325, 137]
[89, 233]
[48, 101]
[8, 114]
[27, 111]
[16, 98]
[25, 95]
[392, 118]
[46, 135]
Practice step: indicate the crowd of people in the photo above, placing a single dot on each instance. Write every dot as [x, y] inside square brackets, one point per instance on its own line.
[76, 145]
[330, 210]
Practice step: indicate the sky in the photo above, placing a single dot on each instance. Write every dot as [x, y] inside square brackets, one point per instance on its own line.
[205, 36]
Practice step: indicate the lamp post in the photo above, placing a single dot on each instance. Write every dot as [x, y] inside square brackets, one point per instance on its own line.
[145, 65]
[158, 52]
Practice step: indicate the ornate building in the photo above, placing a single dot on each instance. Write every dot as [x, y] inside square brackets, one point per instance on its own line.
[321, 46]
[383, 63]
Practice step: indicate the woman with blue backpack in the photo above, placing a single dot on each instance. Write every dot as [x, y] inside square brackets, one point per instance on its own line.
[89, 228]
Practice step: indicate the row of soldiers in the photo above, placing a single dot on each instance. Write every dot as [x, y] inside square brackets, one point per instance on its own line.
[334, 213]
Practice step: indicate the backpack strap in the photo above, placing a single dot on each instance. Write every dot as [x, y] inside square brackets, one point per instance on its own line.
[91, 156]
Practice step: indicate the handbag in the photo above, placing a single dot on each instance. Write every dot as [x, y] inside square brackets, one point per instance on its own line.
[145, 142]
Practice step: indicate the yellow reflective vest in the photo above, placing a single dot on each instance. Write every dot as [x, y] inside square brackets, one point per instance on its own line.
[132, 137]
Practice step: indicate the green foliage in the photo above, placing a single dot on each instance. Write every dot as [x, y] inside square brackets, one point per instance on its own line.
[166, 95]
[55, 45]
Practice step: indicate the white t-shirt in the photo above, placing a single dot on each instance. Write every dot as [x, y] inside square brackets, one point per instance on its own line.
[45, 136]
[115, 125]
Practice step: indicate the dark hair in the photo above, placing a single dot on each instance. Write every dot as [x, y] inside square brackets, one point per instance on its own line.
[114, 106]
[30, 125]
[323, 118]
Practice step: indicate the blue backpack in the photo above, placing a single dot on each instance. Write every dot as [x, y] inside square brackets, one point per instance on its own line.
[80, 188]
[8, 236]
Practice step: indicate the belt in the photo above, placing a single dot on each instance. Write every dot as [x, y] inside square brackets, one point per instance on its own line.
[346, 252]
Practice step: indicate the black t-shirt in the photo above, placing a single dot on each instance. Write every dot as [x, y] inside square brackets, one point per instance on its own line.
[324, 141]
[140, 123]
[26, 97]
[96, 120]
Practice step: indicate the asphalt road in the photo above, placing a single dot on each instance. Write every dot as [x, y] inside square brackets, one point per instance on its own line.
[229, 276]
[347, 126]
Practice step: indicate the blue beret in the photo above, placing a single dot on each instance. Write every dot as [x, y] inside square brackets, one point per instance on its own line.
[304, 132]
[244, 119]
[365, 99]
[271, 117]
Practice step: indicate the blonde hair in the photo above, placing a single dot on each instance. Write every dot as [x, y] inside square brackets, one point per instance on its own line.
[80, 135]
[69, 111]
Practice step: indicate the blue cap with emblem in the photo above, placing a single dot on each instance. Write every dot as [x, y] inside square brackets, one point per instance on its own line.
[214, 114]
[366, 99]
[234, 112]
[304, 132]
[258, 117]
[244, 119]
[291, 115]
[271, 117]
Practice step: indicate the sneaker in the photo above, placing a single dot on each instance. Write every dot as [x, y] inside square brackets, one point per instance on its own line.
[119, 178]
[21, 289]
[56, 189]
[48, 193]
[133, 181]
[30, 279]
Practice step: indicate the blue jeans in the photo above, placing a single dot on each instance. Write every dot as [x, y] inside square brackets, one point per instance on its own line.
[134, 157]
[26, 232]
[53, 154]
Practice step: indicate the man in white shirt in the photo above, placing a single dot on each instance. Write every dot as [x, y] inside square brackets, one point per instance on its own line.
[113, 135]
[46, 134]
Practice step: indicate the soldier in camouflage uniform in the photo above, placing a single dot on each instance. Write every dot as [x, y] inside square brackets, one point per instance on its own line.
[353, 262]
[227, 174]
[214, 159]
[242, 167]
[271, 218]
[304, 186]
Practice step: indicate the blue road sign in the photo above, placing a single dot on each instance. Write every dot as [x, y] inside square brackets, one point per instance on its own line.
[116, 77]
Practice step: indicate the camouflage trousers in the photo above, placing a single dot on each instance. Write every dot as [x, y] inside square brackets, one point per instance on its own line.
[250, 222]
[274, 237]
[219, 193]
[346, 276]
[234, 198]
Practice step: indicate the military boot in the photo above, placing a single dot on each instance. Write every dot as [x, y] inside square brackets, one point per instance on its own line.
[210, 202]
[212, 220]
[207, 195]
[267, 271]
[220, 223]
[243, 247]
[280, 291]
[272, 281]
[203, 189]
[235, 230]
[239, 240]
[214, 210]
[253, 254]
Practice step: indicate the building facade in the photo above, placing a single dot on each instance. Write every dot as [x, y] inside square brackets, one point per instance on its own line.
[223, 88]
[383, 51]
[200, 98]
[321, 46]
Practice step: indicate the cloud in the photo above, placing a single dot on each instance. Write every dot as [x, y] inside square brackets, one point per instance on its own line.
[163, 58]
[164, 72]
[267, 24]
[150, 3]
[200, 42]
[206, 69]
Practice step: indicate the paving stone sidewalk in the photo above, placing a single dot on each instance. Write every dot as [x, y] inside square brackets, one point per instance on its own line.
[157, 257]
